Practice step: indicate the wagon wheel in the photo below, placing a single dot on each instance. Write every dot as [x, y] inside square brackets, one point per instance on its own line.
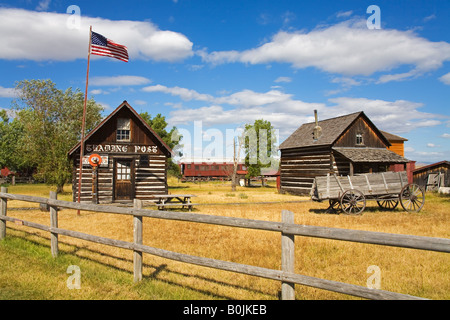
[412, 198]
[388, 204]
[353, 202]
[335, 205]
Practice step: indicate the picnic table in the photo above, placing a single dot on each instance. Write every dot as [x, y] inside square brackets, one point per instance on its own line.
[168, 200]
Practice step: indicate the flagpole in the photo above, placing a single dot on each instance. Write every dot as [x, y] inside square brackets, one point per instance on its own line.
[83, 123]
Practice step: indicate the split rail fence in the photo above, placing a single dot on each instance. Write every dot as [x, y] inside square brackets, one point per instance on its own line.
[286, 227]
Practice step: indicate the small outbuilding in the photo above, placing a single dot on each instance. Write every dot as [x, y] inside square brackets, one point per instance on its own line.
[344, 145]
[434, 176]
[132, 160]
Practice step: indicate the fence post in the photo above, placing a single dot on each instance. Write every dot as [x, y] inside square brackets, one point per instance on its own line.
[54, 224]
[287, 257]
[137, 234]
[3, 206]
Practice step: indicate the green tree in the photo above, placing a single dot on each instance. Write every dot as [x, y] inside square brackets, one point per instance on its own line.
[11, 132]
[51, 121]
[171, 138]
[259, 144]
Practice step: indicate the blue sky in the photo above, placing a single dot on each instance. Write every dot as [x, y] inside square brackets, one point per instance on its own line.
[212, 66]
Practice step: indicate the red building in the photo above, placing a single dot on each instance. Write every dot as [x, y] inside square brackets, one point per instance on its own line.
[5, 172]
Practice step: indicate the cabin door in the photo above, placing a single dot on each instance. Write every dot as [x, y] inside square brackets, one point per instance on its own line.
[123, 179]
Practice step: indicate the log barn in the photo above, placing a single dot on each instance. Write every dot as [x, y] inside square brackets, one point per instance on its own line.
[344, 145]
[133, 160]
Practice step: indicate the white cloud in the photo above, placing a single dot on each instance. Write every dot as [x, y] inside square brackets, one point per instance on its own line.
[119, 81]
[445, 78]
[283, 79]
[99, 91]
[398, 116]
[140, 102]
[344, 14]
[185, 94]
[430, 17]
[348, 48]
[445, 135]
[42, 36]
[105, 106]
[43, 5]
[429, 154]
[287, 114]
[249, 98]
[432, 145]
[239, 108]
[7, 92]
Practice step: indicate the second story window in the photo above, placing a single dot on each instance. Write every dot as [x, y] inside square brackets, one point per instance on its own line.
[123, 129]
[359, 139]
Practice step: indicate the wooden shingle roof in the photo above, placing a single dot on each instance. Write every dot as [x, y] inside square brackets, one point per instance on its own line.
[392, 137]
[363, 155]
[332, 129]
[167, 150]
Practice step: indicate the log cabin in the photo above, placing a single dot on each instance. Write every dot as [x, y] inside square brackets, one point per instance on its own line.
[133, 160]
[344, 145]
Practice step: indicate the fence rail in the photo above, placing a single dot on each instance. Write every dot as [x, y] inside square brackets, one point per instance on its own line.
[286, 227]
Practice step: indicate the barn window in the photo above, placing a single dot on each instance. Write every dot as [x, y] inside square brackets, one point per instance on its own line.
[359, 138]
[123, 129]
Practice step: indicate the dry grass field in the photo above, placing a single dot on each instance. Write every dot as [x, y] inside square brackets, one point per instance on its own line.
[414, 272]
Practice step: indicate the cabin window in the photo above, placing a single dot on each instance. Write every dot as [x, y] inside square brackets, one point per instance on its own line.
[143, 160]
[123, 129]
[359, 138]
[123, 170]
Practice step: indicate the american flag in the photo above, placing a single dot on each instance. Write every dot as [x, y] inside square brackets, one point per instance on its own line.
[102, 46]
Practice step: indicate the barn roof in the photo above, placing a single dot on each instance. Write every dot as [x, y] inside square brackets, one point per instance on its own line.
[332, 129]
[370, 155]
[392, 137]
[124, 104]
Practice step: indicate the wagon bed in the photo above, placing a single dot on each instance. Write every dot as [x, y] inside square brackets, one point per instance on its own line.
[349, 193]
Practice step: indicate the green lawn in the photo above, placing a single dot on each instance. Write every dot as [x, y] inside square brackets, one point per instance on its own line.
[42, 277]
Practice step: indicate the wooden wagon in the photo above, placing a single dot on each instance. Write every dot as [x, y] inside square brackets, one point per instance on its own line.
[349, 193]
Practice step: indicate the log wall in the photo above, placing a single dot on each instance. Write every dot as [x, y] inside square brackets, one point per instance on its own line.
[298, 168]
[150, 177]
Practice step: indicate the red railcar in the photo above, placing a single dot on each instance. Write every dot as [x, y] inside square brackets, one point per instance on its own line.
[209, 170]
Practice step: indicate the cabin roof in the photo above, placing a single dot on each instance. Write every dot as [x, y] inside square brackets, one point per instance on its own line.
[381, 155]
[124, 104]
[433, 165]
[332, 129]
